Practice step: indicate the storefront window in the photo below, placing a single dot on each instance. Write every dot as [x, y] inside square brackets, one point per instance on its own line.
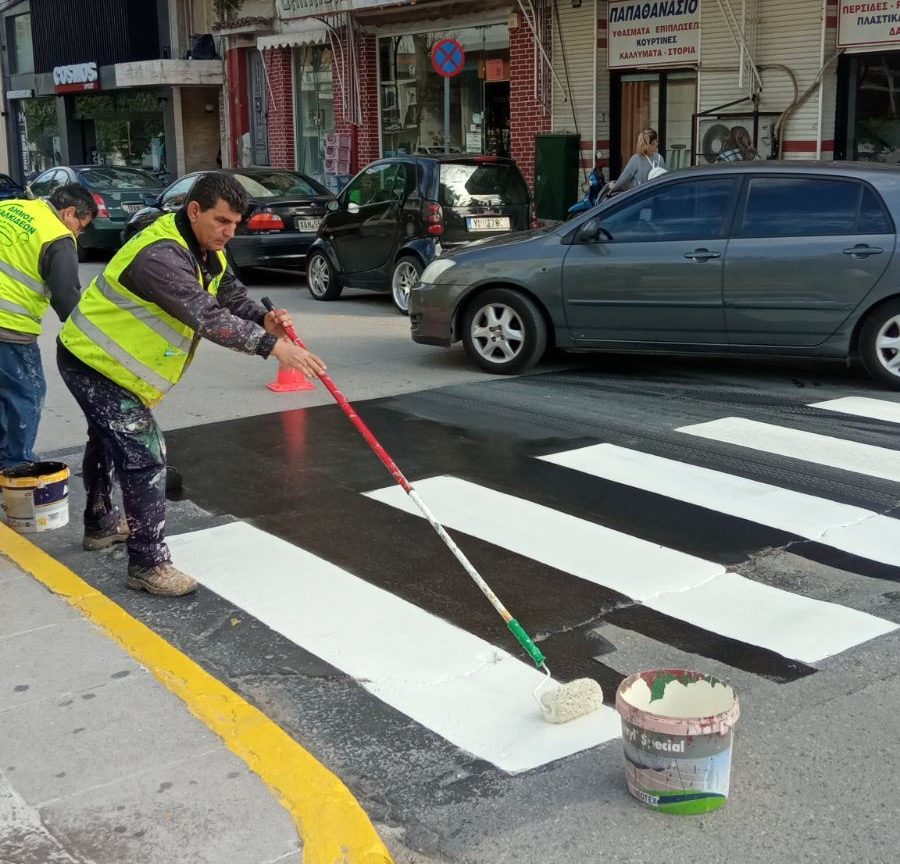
[123, 128]
[314, 108]
[876, 118]
[19, 45]
[39, 134]
[412, 94]
[665, 101]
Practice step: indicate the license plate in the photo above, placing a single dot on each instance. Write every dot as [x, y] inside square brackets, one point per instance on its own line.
[308, 225]
[487, 223]
[132, 208]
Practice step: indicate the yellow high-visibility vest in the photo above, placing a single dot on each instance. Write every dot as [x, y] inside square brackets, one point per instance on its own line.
[134, 342]
[26, 227]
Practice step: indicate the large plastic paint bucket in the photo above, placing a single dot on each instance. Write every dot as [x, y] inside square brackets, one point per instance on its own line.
[36, 496]
[677, 730]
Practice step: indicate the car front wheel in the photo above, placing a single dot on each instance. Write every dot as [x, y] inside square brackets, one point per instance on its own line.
[879, 344]
[504, 332]
[407, 271]
[320, 278]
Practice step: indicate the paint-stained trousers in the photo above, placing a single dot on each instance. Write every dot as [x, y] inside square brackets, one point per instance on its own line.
[122, 436]
[22, 391]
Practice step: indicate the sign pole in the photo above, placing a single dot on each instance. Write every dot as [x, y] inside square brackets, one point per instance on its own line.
[447, 57]
[446, 115]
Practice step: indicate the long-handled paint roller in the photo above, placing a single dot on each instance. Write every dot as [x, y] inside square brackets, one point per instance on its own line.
[560, 705]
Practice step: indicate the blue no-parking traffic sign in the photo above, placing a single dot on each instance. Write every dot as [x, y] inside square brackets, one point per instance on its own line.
[448, 58]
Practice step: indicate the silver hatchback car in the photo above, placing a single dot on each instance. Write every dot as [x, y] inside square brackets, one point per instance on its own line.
[755, 258]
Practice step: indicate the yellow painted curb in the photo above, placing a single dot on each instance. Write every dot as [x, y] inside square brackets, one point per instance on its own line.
[334, 828]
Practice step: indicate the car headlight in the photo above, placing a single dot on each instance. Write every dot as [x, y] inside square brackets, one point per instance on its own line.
[435, 268]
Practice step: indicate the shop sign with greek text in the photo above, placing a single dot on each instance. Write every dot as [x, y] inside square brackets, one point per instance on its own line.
[662, 33]
[300, 8]
[869, 24]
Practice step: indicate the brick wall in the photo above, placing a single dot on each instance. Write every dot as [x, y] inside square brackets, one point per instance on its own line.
[280, 108]
[527, 115]
[364, 138]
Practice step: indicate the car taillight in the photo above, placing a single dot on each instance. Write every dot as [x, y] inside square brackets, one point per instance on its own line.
[265, 222]
[102, 209]
[534, 219]
[434, 219]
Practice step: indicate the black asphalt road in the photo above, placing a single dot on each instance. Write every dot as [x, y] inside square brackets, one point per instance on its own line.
[300, 475]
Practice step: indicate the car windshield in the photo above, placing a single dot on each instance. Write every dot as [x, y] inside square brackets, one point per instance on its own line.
[277, 184]
[108, 179]
[464, 184]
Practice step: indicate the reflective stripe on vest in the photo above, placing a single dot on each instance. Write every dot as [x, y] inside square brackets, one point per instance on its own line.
[98, 337]
[132, 341]
[26, 228]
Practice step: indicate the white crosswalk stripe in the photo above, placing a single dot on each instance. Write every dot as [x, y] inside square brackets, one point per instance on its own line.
[700, 592]
[461, 687]
[862, 406]
[797, 444]
[851, 529]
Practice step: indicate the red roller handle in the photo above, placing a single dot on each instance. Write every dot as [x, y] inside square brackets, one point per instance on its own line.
[352, 416]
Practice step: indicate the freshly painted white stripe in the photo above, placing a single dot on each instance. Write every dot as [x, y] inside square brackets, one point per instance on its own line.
[660, 578]
[841, 526]
[475, 695]
[876, 409]
[821, 449]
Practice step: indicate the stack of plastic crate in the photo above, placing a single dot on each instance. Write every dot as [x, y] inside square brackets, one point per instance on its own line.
[337, 153]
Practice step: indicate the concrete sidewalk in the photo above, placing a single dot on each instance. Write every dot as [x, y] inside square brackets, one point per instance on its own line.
[100, 763]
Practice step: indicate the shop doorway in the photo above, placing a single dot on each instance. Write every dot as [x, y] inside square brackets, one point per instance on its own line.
[314, 108]
[868, 118]
[259, 130]
[665, 101]
[496, 118]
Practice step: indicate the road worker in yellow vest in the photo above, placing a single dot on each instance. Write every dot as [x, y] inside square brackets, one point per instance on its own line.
[38, 269]
[129, 341]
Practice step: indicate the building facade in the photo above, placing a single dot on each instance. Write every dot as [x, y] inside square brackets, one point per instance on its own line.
[124, 82]
[325, 86]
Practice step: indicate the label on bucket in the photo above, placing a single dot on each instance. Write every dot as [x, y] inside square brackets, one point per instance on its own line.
[677, 774]
[677, 736]
[36, 496]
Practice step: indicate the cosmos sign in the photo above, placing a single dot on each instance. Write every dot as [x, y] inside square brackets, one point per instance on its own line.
[76, 78]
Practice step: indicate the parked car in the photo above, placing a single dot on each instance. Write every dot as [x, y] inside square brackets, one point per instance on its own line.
[118, 191]
[398, 213]
[279, 225]
[10, 189]
[746, 258]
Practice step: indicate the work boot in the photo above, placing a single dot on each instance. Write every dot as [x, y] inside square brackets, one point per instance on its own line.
[103, 538]
[163, 579]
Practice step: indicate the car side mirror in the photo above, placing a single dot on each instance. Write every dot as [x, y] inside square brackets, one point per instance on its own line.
[151, 201]
[590, 231]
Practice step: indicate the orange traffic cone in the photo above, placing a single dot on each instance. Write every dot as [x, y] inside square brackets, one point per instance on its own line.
[289, 380]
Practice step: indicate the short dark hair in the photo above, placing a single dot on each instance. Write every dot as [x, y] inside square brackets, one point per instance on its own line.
[218, 186]
[74, 195]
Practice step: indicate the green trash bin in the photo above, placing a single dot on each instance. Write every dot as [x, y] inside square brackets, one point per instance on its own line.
[557, 166]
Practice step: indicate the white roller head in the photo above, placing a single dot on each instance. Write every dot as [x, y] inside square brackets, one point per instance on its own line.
[570, 701]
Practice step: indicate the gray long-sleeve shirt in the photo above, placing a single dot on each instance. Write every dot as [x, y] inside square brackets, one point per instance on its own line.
[165, 273]
[637, 171]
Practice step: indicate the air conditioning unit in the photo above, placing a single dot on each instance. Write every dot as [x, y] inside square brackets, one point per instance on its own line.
[711, 135]
[713, 130]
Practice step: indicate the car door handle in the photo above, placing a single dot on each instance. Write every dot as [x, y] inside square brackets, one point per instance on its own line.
[702, 255]
[863, 250]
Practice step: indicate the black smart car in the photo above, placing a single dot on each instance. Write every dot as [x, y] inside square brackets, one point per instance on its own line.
[397, 214]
